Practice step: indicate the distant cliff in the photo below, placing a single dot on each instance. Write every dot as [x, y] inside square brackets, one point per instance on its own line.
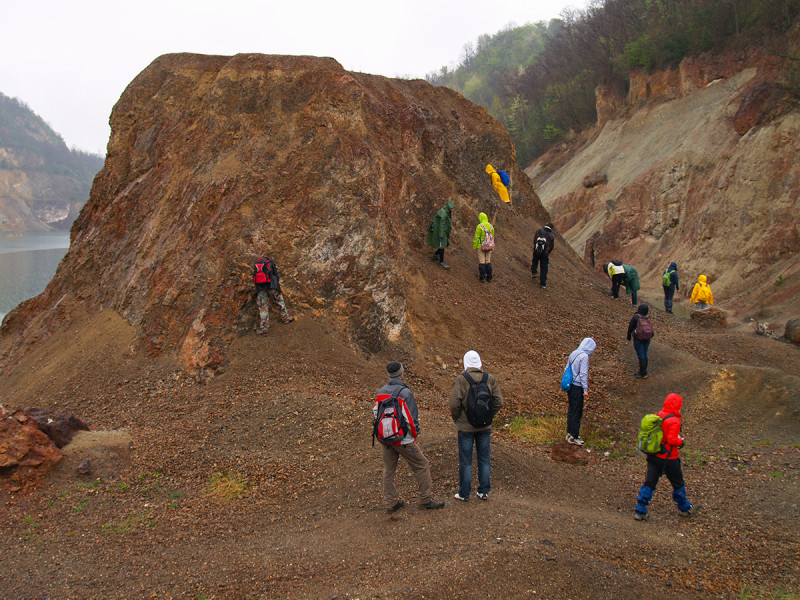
[43, 184]
[698, 165]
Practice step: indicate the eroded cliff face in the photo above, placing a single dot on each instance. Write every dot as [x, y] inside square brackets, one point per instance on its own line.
[214, 161]
[701, 166]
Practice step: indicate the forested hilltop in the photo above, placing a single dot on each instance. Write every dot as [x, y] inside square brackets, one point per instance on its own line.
[43, 184]
[539, 79]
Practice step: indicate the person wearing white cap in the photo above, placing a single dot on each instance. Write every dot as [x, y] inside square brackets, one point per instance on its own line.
[475, 399]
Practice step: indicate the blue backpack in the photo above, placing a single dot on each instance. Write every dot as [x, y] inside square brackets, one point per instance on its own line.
[504, 177]
[566, 378]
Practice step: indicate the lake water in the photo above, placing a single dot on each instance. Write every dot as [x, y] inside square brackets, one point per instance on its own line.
[28, 262]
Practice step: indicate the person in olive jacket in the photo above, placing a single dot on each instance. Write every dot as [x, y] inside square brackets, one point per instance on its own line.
[469, 435]
[439, 232]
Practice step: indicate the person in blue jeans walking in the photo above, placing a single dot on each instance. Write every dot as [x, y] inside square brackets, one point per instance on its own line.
[641, 329]
[470, 435]
[667, 462]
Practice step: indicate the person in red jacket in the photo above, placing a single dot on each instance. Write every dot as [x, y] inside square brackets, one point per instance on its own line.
[666, 463]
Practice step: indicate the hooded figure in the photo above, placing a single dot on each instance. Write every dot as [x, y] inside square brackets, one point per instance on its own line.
[474, 428]
[483, 242]
[701, 294]
[667, 462]
[641, 329]
[543, 243]
[579, 362]
[671, 278]
[497, 184]
[439, 232]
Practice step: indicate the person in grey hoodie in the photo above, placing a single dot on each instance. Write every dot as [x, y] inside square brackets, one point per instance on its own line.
[579, 362]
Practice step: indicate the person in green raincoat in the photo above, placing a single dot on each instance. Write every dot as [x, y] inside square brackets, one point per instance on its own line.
[439, 232]
[631, 283]
[623, 275]
[483, 242]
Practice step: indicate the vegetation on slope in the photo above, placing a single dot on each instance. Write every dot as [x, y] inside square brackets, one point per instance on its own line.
[540, 79]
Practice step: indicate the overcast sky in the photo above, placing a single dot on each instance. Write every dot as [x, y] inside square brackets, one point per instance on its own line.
[69, 60]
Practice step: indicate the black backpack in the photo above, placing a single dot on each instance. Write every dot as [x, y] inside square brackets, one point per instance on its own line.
[480, 405]
[263, 272]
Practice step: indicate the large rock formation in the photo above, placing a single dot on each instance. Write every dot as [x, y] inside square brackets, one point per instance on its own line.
[215, 160]
[43, 184]
[702, 168]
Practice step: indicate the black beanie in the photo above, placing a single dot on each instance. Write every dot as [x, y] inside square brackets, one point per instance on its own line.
[395, 369]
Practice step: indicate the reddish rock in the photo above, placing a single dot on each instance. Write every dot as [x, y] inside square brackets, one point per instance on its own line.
[710, 317]
[758, 103]
[59, 427]
[594, 180]
[569, 453]
[792, 331]
[22, 444]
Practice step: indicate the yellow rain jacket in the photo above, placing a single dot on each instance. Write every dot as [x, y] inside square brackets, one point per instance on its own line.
[497, 183]
[702, 291]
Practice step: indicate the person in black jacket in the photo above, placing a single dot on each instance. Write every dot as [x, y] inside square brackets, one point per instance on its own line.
[641, 329]
[669, 290]
[543, 243]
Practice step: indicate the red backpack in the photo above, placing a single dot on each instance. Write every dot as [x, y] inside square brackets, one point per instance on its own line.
[644, 328]
[393, 421]
[262, 272]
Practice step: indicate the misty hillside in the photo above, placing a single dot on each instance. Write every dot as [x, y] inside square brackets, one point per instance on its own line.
[43, 184]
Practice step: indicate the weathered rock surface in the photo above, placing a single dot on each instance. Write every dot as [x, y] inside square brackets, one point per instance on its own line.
[216, 160]
[702, 165]
[569, 453]
[710, 317]
[792, 330]
[59, 427]
[22, 444]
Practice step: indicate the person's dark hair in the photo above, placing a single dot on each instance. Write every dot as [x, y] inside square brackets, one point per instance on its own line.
[644, 308]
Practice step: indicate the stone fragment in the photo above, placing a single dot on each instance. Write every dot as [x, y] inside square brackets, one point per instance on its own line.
[710, 317]
[792, 331]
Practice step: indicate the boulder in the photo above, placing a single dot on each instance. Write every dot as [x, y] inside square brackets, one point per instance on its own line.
[710, 317]
[22, 444]
[594, 180]
[792, 331]
[569, 453]
[59, 427]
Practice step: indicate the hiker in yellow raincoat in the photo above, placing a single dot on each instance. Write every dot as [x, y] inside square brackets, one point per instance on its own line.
[497, 183]
[701, 294]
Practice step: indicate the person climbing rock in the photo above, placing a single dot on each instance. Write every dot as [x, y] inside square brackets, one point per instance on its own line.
[484, 244]
[543, 243]
[439, 232]
[641, 329]
[702, 297]
[497, 183]
[267, 284]
[669, 281]
[667, 462]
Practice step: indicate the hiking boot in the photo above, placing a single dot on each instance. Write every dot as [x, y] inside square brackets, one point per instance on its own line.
[457, 496]
[641, 516]
[579, 441]
[444, 265]
[400, 504]
[543, 286]
[575, 441]
[639, 376]
[287, 319]
[261, 330]
[690, 512]
[432, 504]
[483, 496]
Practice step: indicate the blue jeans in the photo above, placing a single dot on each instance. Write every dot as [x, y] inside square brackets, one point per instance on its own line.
[465, 442]
[641, 347]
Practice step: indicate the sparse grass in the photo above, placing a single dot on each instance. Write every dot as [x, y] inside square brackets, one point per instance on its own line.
[226, 486]
[751, 592]
[130, 523]
[79, 507]
[762, 444]
[539, 429]
[694, 457]
[777, 473]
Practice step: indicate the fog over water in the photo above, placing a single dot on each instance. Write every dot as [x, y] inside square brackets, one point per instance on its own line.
[28, 262]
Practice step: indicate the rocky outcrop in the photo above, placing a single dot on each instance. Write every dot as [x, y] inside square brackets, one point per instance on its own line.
[792, 331]
[214, 161]
[59, 427]
[22, 444]
[710, 317]
[43, 184]
[702, 168]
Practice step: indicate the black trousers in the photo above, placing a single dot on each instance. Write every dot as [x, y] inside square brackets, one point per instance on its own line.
[616, 281]
[542, 261]
[661, 466]
[575, 410]
[440, 254]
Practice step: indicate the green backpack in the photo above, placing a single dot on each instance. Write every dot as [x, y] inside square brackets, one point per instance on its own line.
[665, 278]
[651, 434]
